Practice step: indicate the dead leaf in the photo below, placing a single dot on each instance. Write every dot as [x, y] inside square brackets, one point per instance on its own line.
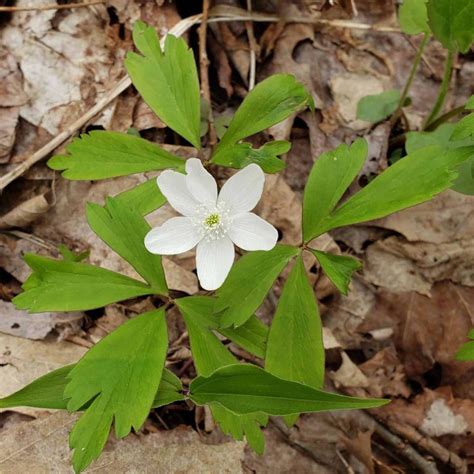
[22, 361]
[32, 326]
[348, 374]
[41, 446]
[25, 213]
[8, 122]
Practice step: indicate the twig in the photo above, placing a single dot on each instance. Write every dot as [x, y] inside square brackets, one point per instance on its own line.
[204, 70]
[253, 48]
[52, 6]
[429, 445]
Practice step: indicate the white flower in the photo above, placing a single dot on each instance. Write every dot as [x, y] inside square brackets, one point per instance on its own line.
[212, 222]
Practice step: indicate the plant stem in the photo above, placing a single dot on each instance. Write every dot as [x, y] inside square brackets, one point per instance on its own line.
[411, 77]
[443, 89]
[444, 118]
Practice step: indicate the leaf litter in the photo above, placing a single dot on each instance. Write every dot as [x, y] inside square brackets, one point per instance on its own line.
[417, 263]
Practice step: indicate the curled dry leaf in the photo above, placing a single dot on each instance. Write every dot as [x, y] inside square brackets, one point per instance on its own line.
[26, 212]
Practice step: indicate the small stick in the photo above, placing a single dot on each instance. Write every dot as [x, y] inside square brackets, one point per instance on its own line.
[204, 69]
[253, 48]
[52, 6]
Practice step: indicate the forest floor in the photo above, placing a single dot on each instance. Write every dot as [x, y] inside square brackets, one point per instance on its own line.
[394, 335]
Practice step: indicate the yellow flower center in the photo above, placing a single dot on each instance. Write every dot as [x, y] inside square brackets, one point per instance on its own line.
[212, 220]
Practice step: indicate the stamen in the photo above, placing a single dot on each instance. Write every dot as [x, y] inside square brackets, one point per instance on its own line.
[212, 220]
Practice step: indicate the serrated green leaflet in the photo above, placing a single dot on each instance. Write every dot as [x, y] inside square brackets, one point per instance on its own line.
[465, 127]
[167, 80]
[251, 336]
[413, 17]
[452, 21]
[466, 351]
[101, 155]
[124, 230]
[270, 102]
[338, 268]
[47, 391]
[145, 197]
[120, 376]
[410, 181]
[375, 108]
[242, 154]
[244, 389]
[443, 137]
[57, 285]
[296, 327]
[209, 354]
[248, 282]
[331, 175]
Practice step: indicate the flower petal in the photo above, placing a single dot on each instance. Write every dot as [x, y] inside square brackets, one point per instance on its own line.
[250, 232]
[214, 260]
[176, 235]
[242, 191]
[173, 185]
[200, 182]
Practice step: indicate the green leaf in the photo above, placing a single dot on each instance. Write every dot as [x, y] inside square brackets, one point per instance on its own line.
[296, 332]
[209, 354]
[120, 376]
[466, 351]
[268, 103]
[124, 230]
[410, 181]
[167, 80]
[443, 137]
[242, 154]
[47, 391]
[452, 23]
[57, 285]
[244, 389]
[331, 175]
[71, 256]
[338, 268]
[413, 17]
[248, 282]
[101, 155]
[145, 198]
[252, 335]
[465, 127]
[377, 107]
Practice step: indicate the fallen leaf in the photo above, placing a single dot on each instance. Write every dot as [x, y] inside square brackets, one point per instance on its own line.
[25, 213]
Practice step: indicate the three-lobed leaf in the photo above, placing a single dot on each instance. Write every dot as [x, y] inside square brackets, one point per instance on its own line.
[338, 268]
[209, 354]
[245, 389]
[413, 17]
[123, 230]
[119, 377]
[100, 155]
[269, 102]
[248, 283]
[331, 175]
[58, 285]
[167, 80]
[242, 154]
[377, 107]
[451, 22]
[144, 198]
[410, 181]
[296, 329]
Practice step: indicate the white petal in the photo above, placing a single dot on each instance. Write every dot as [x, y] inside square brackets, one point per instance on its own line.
[242, 191]
[213, 261]
[176, 235]
[250, 232]
[200, 182]
[173, 185]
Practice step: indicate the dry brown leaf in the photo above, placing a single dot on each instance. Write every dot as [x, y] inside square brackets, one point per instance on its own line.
[25, 213]
[41, 446]
[348, 374]
[22, 361]
[32, 326]
[8, 122]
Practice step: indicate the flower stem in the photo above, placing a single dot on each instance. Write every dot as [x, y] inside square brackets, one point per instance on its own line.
[443, 89]
[411, 77]
[444, 118]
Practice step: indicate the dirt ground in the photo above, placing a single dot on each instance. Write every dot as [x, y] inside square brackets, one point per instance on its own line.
[394, 335]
